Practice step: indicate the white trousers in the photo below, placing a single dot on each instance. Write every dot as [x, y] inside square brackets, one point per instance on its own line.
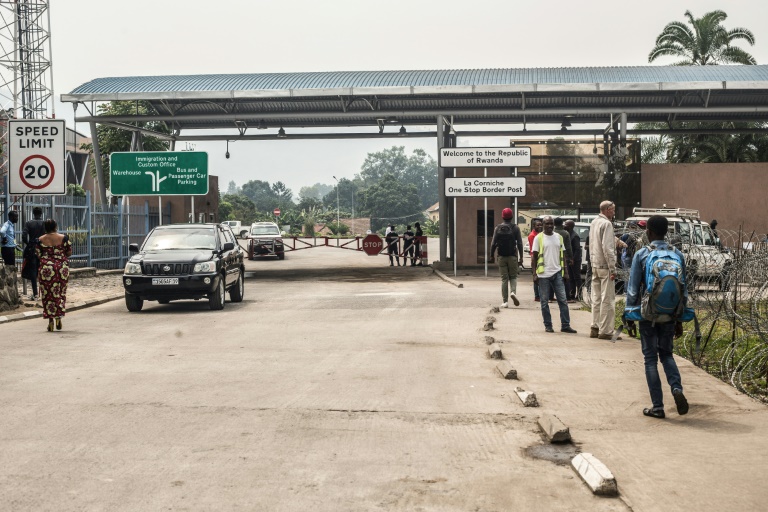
[603, 301]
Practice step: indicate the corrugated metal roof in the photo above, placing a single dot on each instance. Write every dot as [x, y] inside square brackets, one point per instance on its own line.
[318, 81]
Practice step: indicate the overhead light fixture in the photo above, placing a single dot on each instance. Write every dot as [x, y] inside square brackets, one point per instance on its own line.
[262, 125]
[402, 131]
[226, 155]
[281, 133]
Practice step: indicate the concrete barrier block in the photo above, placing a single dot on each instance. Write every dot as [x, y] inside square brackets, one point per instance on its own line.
[494, 309]
[494, 350]
[489, 340]
[488, 326]
[595, 474]
[490, 319]
[506, 370]
[554, 429]
[527, 397]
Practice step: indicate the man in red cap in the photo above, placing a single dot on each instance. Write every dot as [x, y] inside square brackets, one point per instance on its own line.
[508, 240]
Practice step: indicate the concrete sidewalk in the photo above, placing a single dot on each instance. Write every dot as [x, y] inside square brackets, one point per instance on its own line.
[711, 459]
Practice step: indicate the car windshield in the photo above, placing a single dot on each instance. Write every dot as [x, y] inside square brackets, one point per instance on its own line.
[180, 238]
[265, 230]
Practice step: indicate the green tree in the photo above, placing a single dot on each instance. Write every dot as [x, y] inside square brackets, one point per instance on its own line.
[113, 139]
[232, 188]
[260, 192]
[390, 200]
[705, 42]
[348, 192]
[237, 207]
[75, 190]
[419, 169]
[316, 191]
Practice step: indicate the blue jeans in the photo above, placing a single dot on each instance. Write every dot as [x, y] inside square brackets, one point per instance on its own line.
[656, 341]
[557, 284]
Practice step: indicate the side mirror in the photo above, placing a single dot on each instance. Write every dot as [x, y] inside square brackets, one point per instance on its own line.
[228, 246]
[133, 248]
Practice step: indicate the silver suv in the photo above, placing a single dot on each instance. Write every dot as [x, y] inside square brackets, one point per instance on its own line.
[265, 239]
[705, 259]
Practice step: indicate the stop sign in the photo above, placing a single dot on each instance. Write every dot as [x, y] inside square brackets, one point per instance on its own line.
[372, 244]
[276, 211]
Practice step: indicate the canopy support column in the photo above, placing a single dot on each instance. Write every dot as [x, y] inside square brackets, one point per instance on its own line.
[99, 167]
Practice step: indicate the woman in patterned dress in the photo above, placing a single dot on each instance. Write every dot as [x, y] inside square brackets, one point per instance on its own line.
[53, 249]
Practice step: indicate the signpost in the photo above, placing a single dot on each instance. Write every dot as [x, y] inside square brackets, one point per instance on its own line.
[372, 244]
[36, 159]
[514, 156]
[156, 173]
[486, 157]
[276, 212]
[485, 187]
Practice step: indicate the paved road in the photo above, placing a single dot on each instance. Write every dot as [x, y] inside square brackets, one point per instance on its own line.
[343, 384]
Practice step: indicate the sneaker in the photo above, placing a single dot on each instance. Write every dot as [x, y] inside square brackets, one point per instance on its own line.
[593, 332]
[514, 299]
[549, 329]
[680, 401]
[607, 337]
[537, 299]
[504, 305]
[569, 330]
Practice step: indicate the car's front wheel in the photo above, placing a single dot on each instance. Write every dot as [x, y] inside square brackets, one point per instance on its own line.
[217, 298]
[236, 292]
[134, 303]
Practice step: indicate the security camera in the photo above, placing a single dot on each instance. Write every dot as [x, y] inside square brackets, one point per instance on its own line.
[226, 155]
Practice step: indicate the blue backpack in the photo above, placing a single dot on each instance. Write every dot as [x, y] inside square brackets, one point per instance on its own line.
[663, 300]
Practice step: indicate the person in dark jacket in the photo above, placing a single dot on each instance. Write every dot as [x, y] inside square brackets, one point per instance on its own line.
[33, 229]
[392, 239]
[408, 246]
[509, 242]
[417, 244]
[574, 269]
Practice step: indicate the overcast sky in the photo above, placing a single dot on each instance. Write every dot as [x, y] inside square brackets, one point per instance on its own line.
[98, 38]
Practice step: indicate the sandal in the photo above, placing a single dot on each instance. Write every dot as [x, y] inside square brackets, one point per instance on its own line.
[654, 413]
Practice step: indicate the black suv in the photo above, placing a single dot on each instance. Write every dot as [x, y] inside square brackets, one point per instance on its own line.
[185, 261]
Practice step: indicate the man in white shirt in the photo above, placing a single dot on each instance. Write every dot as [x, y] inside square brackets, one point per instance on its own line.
[548, 262]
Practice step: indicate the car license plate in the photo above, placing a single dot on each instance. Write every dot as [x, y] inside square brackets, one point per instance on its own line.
[165, 280]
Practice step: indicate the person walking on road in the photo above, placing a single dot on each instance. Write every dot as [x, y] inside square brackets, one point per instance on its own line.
[54, 250]
[574, 269]
[548, 262]
[33, 229]
[602, 253]
[8, 239]
[408, 246]
[537, 228]
[509, 241]
[392, 239]
[655, 337]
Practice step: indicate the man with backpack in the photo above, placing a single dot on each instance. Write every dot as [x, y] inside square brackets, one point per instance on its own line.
[508, 240]
[657, 296]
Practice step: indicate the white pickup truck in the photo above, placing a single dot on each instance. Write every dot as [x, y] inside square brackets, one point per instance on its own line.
[237, 228]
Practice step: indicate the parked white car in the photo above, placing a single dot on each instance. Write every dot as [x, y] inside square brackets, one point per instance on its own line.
[237, 228]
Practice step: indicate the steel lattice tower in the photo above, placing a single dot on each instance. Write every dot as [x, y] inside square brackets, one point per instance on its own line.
[26, 74]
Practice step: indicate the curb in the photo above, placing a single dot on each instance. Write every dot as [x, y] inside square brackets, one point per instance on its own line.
[70, 307]
[448, 279]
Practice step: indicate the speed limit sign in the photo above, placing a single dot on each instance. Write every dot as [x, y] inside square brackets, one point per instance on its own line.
[36, 156]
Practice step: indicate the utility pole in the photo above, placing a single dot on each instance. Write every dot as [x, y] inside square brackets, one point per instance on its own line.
[337, 203]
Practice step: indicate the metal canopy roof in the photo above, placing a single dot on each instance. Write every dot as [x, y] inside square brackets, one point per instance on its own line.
[484, 96]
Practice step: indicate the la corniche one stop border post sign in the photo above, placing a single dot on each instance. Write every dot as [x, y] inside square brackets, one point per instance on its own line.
[36, 150]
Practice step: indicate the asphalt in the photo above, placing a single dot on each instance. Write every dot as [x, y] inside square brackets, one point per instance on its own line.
[713, 458]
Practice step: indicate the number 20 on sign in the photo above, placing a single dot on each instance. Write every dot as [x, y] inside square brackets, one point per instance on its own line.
[36, 156]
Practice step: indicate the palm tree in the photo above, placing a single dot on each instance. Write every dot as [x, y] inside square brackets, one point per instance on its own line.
[706, 42]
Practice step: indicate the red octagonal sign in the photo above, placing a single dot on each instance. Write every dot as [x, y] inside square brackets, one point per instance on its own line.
[372, 244]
